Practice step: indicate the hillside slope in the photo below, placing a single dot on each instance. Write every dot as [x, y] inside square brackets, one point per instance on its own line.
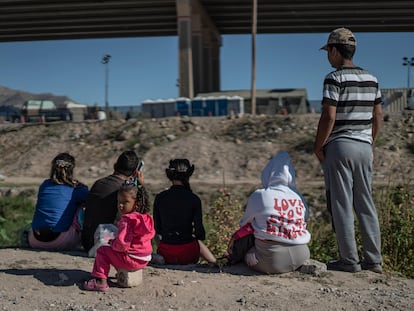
[223, 150]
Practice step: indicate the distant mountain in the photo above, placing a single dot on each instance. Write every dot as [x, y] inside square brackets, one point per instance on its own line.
[16, 98]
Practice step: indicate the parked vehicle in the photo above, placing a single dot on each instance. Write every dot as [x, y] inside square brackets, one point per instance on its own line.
[9, 114]
[46, 110]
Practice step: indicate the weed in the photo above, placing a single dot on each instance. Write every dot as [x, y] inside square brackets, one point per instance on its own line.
[396, 216]
[15, 213]
[222, 221]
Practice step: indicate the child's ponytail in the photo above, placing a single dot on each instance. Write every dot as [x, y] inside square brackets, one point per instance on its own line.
[143, 204]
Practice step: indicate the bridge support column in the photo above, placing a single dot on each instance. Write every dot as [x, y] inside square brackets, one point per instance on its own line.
[199, 50]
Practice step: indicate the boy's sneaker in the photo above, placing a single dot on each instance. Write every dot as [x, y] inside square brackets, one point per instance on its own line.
[374, 267]
[338, 265]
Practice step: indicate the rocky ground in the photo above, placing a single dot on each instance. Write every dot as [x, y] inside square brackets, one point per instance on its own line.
[227, 153]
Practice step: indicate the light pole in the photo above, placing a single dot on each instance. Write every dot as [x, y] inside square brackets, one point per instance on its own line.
[408, 62]
[253, 82]
[105, 61]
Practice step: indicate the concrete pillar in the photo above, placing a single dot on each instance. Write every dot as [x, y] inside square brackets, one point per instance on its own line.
[185, 61]
[215, 65]
[211, 64]
[199, 49]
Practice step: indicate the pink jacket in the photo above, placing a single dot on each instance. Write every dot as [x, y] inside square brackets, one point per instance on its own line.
[135, 232]
[243, 231]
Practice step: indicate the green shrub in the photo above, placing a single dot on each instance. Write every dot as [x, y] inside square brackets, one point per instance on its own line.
[16, 212]
[396, 215]
[222, 221]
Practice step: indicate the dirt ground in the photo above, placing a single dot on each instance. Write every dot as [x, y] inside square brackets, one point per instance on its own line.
[39, 280]
[227, 153]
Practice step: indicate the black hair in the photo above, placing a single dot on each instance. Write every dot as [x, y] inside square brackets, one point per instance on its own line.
[180, 169]
[127, 163]
[62, 170]
[140, 194]
[347, 51]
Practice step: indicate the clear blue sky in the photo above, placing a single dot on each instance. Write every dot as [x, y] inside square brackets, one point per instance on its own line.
[147, 68]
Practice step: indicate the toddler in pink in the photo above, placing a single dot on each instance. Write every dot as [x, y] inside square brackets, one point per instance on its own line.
[131, 249]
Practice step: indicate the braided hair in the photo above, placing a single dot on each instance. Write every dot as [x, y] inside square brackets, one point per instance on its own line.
[139, 193]
[180, 169]
[62, 170]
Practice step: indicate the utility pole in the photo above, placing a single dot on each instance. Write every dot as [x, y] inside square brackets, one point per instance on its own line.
[105, 61]
[253, 86]
[408, 62]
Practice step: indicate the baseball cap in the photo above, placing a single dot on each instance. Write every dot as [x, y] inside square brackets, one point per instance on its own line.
[340, 36]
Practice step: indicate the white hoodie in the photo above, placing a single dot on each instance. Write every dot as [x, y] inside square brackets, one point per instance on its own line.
[277, 211]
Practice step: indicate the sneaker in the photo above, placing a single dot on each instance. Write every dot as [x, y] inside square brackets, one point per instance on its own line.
[338, 265]
[374, 267]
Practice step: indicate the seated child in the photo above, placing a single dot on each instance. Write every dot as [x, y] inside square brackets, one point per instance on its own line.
[60, 200]
[131, 249]
[240, 243]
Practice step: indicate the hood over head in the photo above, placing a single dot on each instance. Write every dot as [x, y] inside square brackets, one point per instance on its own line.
[279, 171]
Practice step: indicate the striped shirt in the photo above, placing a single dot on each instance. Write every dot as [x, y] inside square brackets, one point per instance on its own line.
[354, 92]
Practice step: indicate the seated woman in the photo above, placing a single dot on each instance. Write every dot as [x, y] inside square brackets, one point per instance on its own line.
[178, 218]
[277, 213]
[59, 200]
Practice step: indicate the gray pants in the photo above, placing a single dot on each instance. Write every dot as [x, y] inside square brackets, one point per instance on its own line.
[348, 177]
[274, 257]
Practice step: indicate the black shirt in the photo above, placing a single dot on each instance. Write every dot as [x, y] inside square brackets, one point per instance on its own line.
[101, 207]
[178, 216]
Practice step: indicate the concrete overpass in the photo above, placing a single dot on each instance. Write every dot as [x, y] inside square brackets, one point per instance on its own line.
[198, 24]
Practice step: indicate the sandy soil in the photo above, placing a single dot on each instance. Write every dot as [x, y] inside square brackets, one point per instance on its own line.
[39, 280]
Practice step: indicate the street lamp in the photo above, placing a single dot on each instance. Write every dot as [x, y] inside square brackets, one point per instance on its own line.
[105, 61]
[408, 62]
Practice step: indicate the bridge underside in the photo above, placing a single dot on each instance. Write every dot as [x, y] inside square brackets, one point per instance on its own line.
[197, 23]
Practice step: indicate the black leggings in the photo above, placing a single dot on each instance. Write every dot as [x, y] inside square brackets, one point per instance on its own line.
[45, 234]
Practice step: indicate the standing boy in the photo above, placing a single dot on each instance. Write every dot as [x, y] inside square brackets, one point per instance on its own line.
[349, 124]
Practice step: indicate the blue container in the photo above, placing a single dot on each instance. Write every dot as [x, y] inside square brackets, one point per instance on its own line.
[197, 106]
[222, 105]
[211, 107]
[159, 108]
[183, 106]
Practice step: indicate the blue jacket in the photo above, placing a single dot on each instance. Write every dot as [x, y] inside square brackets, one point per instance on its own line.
[56, 205]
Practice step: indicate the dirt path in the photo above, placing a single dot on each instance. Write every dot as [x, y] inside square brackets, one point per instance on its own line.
[38, 280]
